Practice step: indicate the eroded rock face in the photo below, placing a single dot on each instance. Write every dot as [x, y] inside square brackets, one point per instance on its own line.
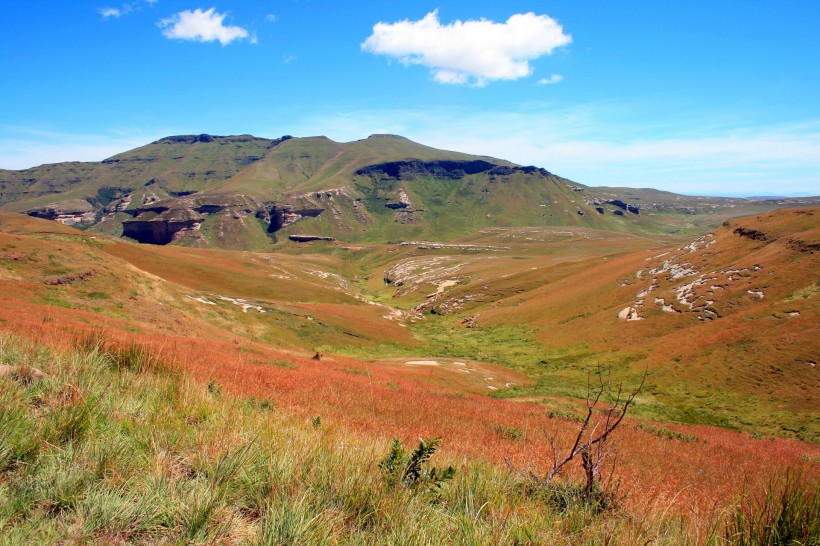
[161, 222]
[634, 209]
[413, 168]
[167, 220]
[308, 238]
[162, 228]
[72, 212]
[279, 217]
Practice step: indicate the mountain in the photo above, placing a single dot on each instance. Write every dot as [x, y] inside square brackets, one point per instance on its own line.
[245, 192]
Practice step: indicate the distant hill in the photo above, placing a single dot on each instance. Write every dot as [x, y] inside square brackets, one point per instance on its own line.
[246, 192]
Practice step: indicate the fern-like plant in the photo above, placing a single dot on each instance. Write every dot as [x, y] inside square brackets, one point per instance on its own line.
[411, 469]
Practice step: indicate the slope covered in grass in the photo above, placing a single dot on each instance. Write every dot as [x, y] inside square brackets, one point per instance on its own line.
[541, 302]
[115, 445]
[243, 192]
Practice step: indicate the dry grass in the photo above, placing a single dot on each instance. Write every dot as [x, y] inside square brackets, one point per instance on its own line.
[687, 482]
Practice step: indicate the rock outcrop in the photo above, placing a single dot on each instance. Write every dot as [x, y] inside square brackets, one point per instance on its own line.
[162, 228]
[167, 220]
[308, 238]
[629, 313]
[278, 217]
[414, 168]
[624, 206]
[70, 213]
[752, 234]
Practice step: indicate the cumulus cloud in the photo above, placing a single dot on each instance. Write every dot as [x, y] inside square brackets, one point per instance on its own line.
[202, 26]
[553, 79]
[125, 9]
[474, 51]
[110, 12]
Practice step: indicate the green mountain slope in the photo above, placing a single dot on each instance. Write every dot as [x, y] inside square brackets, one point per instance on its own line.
[246, 192]
[176, 164]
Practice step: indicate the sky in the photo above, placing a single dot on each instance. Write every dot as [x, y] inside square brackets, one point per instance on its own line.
[717, 97]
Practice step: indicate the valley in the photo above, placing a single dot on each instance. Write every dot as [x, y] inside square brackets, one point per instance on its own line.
[391, 290]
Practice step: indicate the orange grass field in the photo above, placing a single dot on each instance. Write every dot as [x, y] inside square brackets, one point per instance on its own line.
[695, 475]
[141, 295]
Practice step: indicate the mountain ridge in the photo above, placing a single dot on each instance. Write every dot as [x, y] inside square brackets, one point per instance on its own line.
[384, 187]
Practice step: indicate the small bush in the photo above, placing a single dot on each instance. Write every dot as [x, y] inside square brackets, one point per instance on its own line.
[509, 433]
[214, 388]
[565, 496]
[563, 414]
[411, 469]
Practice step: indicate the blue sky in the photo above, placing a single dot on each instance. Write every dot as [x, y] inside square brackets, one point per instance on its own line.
[702, 97]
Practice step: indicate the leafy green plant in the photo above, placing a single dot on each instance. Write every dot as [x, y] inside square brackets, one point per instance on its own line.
[411, 469]
[214, 388]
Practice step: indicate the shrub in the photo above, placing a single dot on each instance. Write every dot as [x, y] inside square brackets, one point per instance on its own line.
[411, 469]
[564, 414]
[509, 433]
[214, 388]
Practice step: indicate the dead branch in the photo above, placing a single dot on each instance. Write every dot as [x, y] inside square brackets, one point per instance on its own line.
[591, 442]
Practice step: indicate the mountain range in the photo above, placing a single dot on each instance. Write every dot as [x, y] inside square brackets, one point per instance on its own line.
[244, 192]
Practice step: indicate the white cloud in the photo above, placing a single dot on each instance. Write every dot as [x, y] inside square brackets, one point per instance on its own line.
[271, 18]
[110, 12]
[201, 26]
[125, 9]
[475, 51]
[553, 79]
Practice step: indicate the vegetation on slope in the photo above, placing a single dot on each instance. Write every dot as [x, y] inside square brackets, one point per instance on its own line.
[542, 301]
[349, 191]
[114, 445]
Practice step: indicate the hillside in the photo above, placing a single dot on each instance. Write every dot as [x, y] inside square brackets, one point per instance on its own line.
[249, 193]
[199, 395]
[727, 322]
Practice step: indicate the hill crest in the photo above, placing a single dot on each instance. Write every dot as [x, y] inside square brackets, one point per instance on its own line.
[385, 187]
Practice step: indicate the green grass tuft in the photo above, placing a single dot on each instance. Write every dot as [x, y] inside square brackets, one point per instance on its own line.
[788, 514]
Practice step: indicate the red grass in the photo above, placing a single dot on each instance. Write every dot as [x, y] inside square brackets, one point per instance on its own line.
[703, 473]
